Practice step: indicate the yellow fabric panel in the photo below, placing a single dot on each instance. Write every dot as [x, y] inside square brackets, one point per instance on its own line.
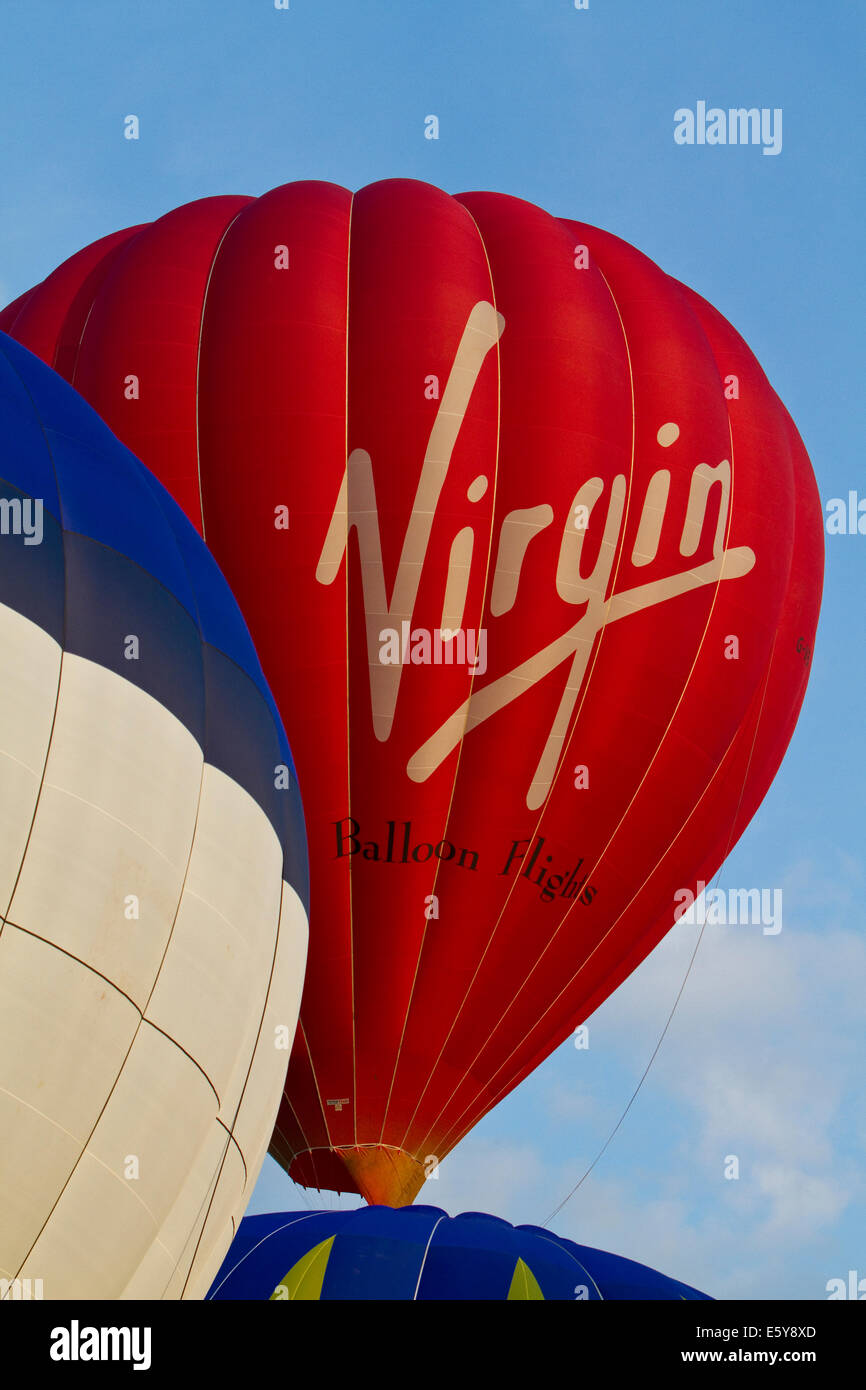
[524, 1285]
[305, 1278]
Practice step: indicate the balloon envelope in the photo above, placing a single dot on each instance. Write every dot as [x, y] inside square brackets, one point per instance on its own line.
[153, 879]
[531, 553]
[422, 1253]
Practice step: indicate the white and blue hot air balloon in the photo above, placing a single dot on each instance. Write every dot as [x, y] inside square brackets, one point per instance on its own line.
[153, 872]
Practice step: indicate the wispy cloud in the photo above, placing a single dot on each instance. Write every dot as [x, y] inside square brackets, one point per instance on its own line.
[761, 1065]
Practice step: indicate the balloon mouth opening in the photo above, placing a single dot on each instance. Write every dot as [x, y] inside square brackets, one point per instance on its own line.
[381, 1174]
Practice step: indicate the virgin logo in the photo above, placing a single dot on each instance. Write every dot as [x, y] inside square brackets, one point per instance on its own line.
[356, 509]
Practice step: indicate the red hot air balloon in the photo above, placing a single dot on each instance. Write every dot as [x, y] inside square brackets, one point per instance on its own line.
[531, 553]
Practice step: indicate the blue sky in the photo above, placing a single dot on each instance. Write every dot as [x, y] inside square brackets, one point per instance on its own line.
[574, 110]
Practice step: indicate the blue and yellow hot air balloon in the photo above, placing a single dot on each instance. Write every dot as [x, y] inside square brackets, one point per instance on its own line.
[422, 1253]
[153, 872]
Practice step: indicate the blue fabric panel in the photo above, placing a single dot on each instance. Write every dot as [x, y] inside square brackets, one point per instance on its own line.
[57, 405]
[572, 1255]
[105, 496]
[415, 1223]
[472, 1256]
[378, 1254]
[474, 1228]
[242, 740]
[25, 460]
[463, 1273]
[32, 578]
[218, 615]
[365, 1267]
[108, 598]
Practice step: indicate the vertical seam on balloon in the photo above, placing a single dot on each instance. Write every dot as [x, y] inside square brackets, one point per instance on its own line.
[232, 1140]
[561, 764]
[331, 1146]
[38, 419]
[74, 373]
[586, 959]
[471, 686]
[112, 254]
[424, 1258]
[25, 299]
[210, 272]
[555, 1241]
[6, 915]
[309, 1148]
[348, 719]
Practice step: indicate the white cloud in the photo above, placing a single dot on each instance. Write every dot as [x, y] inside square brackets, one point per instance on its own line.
[762, 1061]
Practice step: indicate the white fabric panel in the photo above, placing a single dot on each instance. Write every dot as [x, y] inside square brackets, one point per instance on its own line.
[203, 991]
[112, 768]
[64, 1032]
[212, 984]
[236, 868]
[255, 1121]
[36, 1158]
[152, 1276]
[28, 694]
[148, 767]
[97, 1234]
